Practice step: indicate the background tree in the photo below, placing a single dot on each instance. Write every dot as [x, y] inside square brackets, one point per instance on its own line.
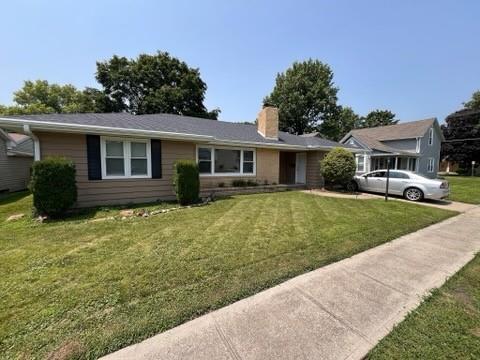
[41, 97]
[462, 135]
[378, 118]
[154, 84]
[338, 126]
[305, 96]
[474, 102]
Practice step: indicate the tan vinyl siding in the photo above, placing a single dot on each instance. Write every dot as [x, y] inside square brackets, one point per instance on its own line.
[14, 170]
[124, 191]
[314, 178]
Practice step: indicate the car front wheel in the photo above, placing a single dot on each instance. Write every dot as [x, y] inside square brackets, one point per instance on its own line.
[413, 194]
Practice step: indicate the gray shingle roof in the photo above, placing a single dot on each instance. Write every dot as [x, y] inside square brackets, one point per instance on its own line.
[373, 137]
[220, 130]
[407, 130]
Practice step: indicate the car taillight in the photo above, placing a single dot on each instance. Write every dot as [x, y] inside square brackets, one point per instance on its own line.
[444, 185]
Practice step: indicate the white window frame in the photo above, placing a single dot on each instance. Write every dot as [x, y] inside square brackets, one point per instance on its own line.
[430, 137]
[127, 157]
[212, 157]
[364, 162]
[431, 165]
[419, 142]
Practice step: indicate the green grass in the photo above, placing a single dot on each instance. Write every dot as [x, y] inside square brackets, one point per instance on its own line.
[445, 326]
[465, 189]
[81, 289]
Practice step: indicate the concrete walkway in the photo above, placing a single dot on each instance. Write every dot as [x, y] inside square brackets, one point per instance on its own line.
[336, 312]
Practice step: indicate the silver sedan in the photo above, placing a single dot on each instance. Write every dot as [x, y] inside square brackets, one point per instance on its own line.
[411, 186]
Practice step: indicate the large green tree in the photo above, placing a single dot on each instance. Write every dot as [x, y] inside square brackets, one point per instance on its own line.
[462, 135]
[335, 127]
[378, 118]
[156, 83]
[41, 97]
[474, 102]
[305, 96]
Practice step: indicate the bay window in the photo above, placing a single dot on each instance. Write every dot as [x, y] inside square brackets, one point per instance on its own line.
[225, 161]
[125, 158]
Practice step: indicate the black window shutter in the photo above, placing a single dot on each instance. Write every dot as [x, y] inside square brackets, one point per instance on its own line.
[156, 149]
[93, 157]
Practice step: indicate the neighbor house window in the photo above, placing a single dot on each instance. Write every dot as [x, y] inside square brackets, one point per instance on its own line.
[412, 164]
[430, 136]
[225, 161]
[360, 162]
[430, 165]
[125, 158]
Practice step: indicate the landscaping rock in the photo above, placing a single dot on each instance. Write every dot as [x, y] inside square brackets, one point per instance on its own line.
[15, 217]
[127, 213]
[42, 218]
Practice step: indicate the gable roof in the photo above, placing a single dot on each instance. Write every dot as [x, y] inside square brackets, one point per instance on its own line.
[374, 137]
[164, 125]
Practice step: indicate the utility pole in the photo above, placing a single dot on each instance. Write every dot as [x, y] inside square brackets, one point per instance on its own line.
[388, 179]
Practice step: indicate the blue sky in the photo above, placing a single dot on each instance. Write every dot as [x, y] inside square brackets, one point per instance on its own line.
[416, 58]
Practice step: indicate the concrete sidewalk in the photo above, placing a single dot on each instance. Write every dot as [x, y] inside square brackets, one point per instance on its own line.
[336, 312]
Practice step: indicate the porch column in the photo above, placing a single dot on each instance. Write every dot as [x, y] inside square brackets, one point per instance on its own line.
[396, 163]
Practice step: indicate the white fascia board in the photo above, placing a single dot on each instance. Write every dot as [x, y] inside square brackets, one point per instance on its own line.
[101, 130]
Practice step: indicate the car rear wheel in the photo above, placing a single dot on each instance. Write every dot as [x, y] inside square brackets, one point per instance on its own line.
[413, 194]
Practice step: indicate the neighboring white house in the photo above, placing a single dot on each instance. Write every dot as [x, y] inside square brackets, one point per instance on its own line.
[16, 157]
[411, 146]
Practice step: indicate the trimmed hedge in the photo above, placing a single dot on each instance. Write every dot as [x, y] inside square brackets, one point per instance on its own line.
[186, 181]
[53, 186]
[338, 166]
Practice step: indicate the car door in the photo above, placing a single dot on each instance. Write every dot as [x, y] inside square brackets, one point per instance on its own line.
[397, 182]
[379, 181]
[370, 181]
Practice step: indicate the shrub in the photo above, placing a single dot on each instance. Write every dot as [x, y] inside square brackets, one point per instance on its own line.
[221, 184]
[53, 186]
[186, 181]
[251, 183]
[338, 166]
[239, 183]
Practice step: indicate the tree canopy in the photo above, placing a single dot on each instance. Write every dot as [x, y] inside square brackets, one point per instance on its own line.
[474, 102]
[156, 83]
[378, 118]
[462, 135]
[339, 125]
[148, 84]
[305, 96]
[41, 97]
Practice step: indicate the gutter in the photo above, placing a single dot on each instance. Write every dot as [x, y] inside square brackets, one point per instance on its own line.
[36, 142]
[28, 126]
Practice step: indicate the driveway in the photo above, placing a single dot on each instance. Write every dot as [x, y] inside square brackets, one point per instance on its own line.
[441, 204]
[336, 312]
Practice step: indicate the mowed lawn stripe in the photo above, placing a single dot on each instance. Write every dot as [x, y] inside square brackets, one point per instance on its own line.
[88, 288]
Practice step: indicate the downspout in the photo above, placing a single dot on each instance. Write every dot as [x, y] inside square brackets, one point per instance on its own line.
[36, 142]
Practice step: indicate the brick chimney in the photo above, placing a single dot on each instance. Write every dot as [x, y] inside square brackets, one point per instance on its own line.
[267, 122]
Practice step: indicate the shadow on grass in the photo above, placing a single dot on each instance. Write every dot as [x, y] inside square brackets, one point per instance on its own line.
[8, 198]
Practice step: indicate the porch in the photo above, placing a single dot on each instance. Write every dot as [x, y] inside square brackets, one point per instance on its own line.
[393, 162]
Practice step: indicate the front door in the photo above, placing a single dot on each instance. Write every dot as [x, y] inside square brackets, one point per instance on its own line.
[301, 168]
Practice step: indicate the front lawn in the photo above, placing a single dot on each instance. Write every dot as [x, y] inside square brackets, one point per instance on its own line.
[464, 188]
[445, 326]
[80, 289]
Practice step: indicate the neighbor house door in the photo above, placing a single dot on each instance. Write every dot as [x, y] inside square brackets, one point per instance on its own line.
[301, 168]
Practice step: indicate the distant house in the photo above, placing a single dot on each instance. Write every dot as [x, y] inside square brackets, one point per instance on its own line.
[413, 146]
[16, 157]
